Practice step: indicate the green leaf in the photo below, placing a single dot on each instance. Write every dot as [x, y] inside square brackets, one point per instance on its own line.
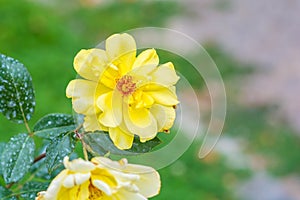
[54, 132]
[16, 90]
[2, 147]
[40, 170]
[139, 147]
[99, 143]
[6, 194]
[58, 148]
[17, 157]
[56, 127]
[30, 189]
[52, 125]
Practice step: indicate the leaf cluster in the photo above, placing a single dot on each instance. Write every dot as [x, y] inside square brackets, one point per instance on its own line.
[28, 161]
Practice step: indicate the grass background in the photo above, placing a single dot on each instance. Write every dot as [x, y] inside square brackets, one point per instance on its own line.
[47, 36]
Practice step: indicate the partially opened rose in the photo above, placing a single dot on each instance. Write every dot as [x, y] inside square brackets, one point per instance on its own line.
[102, 178]
[122, 93]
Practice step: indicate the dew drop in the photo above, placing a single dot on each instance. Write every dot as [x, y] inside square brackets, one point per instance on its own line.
[14, 114]
[11, 104]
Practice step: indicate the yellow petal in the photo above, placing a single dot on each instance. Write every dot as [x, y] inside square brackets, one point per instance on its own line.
[91, 123]
[150, 87]
[119, 44]
[145, 178]
[90, 63]
[78, 165]
[109, 77]
[103, 187]
[148, 57]
[105, 162]
[139, 117]
[55, 185]
[75, 179]
[124, 194]
[80, 87]
[121, 50]
[83, 192]
[149, 183]
[103, 174]
[83, 94]
[122, 166]
[165, 116]
[140, 122]
[165, 75]
[129, 177]
[120, 138]
[164, 96]
[65, 193]
[148, 100]
[142, 74]
[74, 193]
[111, 105]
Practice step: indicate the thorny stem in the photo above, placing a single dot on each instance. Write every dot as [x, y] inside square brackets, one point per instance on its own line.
[40, 157]
[43, 155]
[9, 185]
[78, 128]
[86, 157]
[31, 177]
[79, 136]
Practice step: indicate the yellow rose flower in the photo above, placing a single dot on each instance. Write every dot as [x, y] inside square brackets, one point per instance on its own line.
[102, 178]
[122, 93]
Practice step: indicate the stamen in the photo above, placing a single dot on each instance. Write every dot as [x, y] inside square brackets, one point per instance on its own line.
[126, 85]
[95, 193]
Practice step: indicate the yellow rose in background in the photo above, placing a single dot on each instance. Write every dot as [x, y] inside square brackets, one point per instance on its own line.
[122, 93]
[102, 178]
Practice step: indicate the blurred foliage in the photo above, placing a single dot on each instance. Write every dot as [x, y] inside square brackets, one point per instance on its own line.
[227, 66]
[266, 136]
[194, 179]
[47, 37]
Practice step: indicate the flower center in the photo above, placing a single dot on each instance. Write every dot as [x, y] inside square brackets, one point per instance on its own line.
[126, 85]
[95, 193]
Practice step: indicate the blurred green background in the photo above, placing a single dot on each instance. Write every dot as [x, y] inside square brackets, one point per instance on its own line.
[46, 36]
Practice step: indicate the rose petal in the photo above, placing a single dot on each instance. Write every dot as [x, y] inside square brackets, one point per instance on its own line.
[83, 93]
[111, 105]
[78, 165]
[103, 187]
[121, 50]
[91, 123]
[90, 63]
[164, 116]
[145, 128]
[164, 96]
[120, 138]
[148, 57]
[165, 75]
